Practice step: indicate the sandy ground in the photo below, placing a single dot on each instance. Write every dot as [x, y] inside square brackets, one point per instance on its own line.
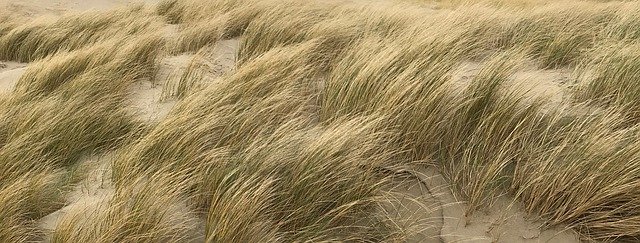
[503, 222]
[147, 103]
[91, 192]
[10, 72]
[424, 198]
[527, 81]
[56, 7]
[149, 97]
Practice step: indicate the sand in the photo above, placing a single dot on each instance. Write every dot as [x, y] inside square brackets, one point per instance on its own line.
[423, 199]
[149, 99]
[503, 222]
[95, 190]
[429, 202]
[36, 8]
[10, 72]
[147, 103]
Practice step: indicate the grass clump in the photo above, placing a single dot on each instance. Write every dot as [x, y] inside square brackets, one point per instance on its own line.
[147, 210]
[267, 100]
[35, 40]
[335, 159]
[585, 166]
[201, 34]
[63, 108]
[610, 78]
[25, 199]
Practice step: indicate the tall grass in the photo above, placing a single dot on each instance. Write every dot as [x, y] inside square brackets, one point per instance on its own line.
[201, 34]
[147, 210]
[336, 160]
[256, 92]
[35, 40]
[583, 177]
[62, 108]
[55, 132]
[256, 161]
[28, 197]
[290, 147]
[8, 21]
[610, 77]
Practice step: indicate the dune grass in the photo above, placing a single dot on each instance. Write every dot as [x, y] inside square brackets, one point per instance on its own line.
[62, 108]
[596, 193]
[147, 210]
[284, 162]
[291, 146]
[75, 124]
[610, 77]
[295, 209]
[35, 40]
[201, 34]
[29, 197]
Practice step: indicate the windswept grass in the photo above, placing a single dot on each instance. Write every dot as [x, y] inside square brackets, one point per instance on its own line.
[64, 107]
[268, 91]
[189, 11]
[291, 146]
[147, 210]
[257, 163]
[337, 159]
[201, 34]
[137, 61]
[587, 166]
[75, 124]
[610, 78]
[8, 21]
[35, 40]
[27, 198]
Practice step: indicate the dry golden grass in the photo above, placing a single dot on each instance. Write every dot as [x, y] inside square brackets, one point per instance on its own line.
[294, 145]
[38, 39]
[609, 78]
[63, 107]
[146, 210]
[29, 197]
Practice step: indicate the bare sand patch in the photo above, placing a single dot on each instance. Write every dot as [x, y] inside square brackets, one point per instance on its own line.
[414, 208]
[187, 73]
[10, 73]
[424, 203]
[528, 81]
[95, 189]
[543, 83]
[172, 66]
[152, 100]
[503, 222]
[146, 96]
[34, 8]
[146, 101]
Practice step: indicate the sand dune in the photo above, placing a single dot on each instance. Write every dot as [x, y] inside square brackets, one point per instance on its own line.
[236, 101]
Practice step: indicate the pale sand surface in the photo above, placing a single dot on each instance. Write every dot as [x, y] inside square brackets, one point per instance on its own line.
[55, 7]
[10, 72]
[146, 101]
[93, 190]
[428, 201]
[424, 198]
